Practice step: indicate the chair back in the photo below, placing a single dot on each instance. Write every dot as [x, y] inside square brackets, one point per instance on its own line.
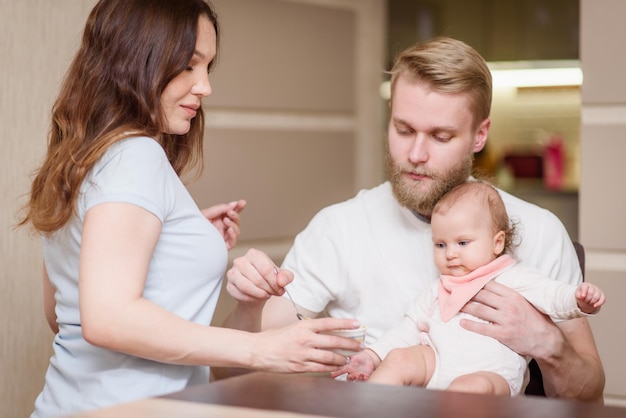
[535, 384]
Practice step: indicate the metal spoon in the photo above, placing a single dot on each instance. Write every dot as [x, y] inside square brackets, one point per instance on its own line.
[298, 314]
[295, 307]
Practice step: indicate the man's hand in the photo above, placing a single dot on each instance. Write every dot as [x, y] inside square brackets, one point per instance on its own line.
[566, 354]
[254, 278]
[511, 319]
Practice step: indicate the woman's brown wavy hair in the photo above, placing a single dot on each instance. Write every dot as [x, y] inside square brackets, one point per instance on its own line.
[130, 51]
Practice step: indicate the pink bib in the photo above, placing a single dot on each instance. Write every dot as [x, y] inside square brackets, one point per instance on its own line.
[455, 292]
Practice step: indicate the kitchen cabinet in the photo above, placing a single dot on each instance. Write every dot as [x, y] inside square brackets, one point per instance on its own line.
[563, 203]
[501, 30]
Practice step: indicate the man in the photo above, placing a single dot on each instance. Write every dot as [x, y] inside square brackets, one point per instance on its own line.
[368, 257]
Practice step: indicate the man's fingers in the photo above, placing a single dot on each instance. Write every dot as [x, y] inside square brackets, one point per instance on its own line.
[497, 288]
[481, 310]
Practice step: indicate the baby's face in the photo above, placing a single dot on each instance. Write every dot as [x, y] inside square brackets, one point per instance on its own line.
[463, 239]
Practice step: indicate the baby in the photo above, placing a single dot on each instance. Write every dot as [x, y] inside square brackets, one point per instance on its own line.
[471, 234]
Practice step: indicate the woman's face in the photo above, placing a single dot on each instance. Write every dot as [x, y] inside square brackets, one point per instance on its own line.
[182, 97]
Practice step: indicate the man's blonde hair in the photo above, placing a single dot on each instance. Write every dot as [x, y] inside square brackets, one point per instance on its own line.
[448, 65]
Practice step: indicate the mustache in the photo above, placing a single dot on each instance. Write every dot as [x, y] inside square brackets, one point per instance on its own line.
[419, 171]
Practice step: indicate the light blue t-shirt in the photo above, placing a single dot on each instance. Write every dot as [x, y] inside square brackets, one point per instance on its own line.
[184, 277]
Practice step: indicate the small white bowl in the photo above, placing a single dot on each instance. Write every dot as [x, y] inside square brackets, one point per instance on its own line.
[355, 334]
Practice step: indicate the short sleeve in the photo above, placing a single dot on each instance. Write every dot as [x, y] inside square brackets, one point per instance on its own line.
[134, 170]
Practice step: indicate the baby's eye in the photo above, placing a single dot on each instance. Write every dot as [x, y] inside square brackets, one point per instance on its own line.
[439, 245]
[463, 243]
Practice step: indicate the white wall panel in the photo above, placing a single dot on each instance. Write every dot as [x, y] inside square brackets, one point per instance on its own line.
[602, 192]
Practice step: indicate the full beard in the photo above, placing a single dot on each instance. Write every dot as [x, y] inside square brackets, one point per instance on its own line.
[411, 195]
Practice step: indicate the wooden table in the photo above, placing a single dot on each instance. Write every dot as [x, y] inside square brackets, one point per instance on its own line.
[327, 397]
[265, 395]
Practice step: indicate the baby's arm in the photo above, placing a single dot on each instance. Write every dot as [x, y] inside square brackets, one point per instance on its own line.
[589, 298]
[360, 366]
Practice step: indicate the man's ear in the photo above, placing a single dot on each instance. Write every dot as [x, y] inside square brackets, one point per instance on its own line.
[480, 139]
[498, 243]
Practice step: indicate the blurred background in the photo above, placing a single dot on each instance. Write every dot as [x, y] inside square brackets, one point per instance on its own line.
[297, 121]
[532, 47]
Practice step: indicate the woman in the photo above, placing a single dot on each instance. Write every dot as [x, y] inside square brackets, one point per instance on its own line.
[133, 268]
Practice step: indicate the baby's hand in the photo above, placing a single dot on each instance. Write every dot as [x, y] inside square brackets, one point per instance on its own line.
[589, 298]
[360, 367]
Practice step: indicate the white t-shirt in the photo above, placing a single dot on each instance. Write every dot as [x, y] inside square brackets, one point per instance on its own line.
[369, 258]
[184, 277]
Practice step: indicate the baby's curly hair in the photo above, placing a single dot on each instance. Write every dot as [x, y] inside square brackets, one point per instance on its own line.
[483, 193]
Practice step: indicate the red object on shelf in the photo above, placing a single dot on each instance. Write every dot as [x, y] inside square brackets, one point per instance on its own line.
[554, 163]
[525, 165]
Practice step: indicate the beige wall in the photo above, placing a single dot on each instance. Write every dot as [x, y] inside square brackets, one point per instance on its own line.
[295, 122]
[283, 118]
[310, 131]
[37, 39]
[602, 194]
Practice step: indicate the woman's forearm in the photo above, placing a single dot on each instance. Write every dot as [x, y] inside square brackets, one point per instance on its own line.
[244, 317]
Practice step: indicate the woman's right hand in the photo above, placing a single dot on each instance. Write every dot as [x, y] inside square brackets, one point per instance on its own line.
[254, 278]
[301, 347]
